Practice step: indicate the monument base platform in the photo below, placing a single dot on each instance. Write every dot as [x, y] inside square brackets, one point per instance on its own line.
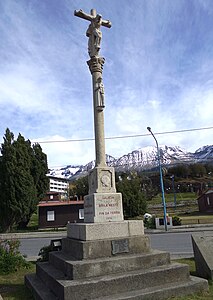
[106, 230]
[110, 261]
[105, 248]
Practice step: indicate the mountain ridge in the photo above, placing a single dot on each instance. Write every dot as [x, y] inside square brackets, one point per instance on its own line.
[141, 159]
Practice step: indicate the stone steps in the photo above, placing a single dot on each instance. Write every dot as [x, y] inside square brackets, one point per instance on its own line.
[112, 268]
[38, 288]
[75, 269]
[98, 287]
[193, 285]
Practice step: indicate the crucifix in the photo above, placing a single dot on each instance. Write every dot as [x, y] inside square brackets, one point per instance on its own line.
[102, 204]
[93, 32]
[95, 64]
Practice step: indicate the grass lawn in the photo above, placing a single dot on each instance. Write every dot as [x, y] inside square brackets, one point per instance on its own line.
[12, 286]
[33, 224]
[196, 219]
[188, 212]
[204, 296]
[170, 198]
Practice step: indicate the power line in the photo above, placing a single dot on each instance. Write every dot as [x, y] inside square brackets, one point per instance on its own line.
[126, 136]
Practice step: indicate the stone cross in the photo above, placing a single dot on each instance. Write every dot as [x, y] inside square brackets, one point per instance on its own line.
[93, 32]
[96, 67]
[102, 204]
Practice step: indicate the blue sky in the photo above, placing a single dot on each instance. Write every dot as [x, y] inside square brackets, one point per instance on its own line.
[158, 72]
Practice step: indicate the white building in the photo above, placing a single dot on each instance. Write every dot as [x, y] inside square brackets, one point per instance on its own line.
[59, 185]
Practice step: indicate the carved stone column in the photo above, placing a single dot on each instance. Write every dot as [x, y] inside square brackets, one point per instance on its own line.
[96, 67]
[102, 204]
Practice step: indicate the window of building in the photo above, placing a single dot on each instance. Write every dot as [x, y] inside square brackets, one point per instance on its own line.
[81, 214]
[51, 197]
[51, 215]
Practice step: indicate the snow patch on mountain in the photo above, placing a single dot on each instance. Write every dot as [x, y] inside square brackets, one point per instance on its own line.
[141, 159]
[64, 172]
[205, 152]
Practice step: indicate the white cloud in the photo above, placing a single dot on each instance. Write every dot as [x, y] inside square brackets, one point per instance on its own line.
[158, 73]
[154, 103]
[62, 152]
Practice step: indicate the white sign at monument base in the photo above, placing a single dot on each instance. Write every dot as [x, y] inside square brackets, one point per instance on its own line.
[103, 207]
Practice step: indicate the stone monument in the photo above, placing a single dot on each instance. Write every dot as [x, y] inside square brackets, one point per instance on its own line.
[102, 204]
[107, 257]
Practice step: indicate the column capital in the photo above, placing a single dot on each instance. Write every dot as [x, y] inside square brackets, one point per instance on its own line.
[96, 64]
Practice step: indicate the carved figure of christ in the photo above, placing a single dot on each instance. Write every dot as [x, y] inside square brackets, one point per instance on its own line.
[93, 32]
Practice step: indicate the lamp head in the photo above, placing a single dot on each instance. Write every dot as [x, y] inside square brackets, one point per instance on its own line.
[149, 129]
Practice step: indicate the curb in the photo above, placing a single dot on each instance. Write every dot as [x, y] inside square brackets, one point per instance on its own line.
[28, 235]
[182, 228]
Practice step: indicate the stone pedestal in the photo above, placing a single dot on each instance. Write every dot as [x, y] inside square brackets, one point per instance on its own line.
[102, 180]
[90, 241]
[92, 232]
[103, 207]
[102, 204]
[110, 261]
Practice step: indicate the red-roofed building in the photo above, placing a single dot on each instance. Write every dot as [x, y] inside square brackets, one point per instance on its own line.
[53, 212]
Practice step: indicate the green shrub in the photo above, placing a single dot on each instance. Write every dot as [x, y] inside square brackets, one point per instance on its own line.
[44, 253]
[11, 259]
[176, 221]
[150, 223]
[55, 245]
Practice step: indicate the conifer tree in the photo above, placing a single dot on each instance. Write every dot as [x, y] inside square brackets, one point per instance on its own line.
[80, 187]
[23, 180]
[134, 199]
[8, 203]
[25, 189]
[39, 170]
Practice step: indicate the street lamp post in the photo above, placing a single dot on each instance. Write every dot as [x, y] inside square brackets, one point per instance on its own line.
[161, 179]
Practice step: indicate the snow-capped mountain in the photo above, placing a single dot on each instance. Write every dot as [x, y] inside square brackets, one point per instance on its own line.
[205, 152]
[141, 159]
[147, 157]
[64, 172]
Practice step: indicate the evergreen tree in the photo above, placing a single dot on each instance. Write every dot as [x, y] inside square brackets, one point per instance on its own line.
[8, 202]
[25, 189]
[80, 187]
[23, 180]
[209, 168]
[197, 170]
[134, 200]
[180, 171]
[39, 170]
